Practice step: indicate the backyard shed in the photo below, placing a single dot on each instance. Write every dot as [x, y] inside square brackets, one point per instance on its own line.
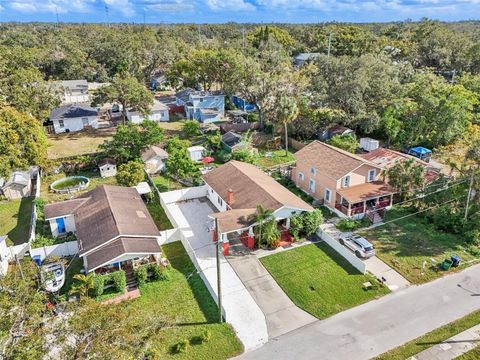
[196, 153]
[232, 141]
[107, 167]
[18, 185]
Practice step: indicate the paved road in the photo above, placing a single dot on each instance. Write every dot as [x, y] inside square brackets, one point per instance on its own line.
[281, 313]
[373, 328]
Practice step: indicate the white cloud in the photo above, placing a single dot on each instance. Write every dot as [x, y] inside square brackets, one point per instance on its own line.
[222, 5]
[123, 6]
[169, 5]
[52, 6]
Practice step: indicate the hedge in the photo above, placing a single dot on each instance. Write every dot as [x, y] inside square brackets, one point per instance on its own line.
[143, 273]
[119, 280]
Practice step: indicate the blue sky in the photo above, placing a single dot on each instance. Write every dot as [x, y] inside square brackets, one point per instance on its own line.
[218, 11]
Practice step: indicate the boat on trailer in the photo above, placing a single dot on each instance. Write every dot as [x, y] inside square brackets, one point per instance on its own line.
[53, 276]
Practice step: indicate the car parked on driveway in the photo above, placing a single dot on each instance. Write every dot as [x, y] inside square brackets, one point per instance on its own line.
[359, 245]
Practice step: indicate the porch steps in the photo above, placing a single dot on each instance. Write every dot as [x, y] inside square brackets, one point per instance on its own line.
[131, 281]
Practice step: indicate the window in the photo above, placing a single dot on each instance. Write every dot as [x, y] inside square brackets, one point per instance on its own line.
[313, 171]
[219, 200]
[328, 195]
[346, 181]
[372, 173]
[301, 177]
[85, 121]
[311, 185]
[201, 99]
[61, 123]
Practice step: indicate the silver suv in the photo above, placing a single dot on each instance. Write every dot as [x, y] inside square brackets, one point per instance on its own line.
[359, 245]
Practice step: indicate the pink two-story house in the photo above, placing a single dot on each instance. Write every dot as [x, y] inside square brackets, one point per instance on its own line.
[345, 182]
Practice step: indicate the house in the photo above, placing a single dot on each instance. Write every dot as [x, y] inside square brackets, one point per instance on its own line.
[232, 141]
[107, 167]
[303, 58]
[112, 224]
[203, 106]
[346, 183]
[196, 153]
[333, 130]
[155, 159]
[158, 112]
[236, 188]
[387, 158]
[73, 91]
[18, 185]
[73, 117]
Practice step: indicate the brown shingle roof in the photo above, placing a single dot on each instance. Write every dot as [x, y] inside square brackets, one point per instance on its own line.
[234, 219]
[366, 191]
[329, 160]
[251, 187]
[120, 246]
[63, 208]
[153, 151]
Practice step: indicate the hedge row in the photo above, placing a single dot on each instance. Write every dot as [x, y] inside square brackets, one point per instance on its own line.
[117, 279]
[153, 272]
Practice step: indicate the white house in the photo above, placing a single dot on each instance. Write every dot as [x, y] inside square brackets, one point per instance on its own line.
[18, 185]
[73, 91]
[154, 158]
[158, 112]
[203, 106]
[73, 117]
[196, 153]
[107, 167]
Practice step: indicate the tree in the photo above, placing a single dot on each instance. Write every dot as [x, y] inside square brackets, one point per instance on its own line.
[129, 92]
[130, 140]
[178, 163]
[405, 176]
[130, 173]
[261, 216]
[22, 141]
[345, 142]
[287, 111]
[191, 128]
[262, 35]
[83, 283]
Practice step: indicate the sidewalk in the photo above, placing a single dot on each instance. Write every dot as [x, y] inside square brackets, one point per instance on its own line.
[379, 269]
[453, 347]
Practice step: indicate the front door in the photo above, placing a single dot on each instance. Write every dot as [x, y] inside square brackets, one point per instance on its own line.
[60, 225]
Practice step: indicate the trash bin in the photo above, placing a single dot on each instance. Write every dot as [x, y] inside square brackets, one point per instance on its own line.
[37, 259]
[447, 264]
[455, 260]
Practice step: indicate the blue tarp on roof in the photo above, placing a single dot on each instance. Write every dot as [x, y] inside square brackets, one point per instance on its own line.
[420, 150]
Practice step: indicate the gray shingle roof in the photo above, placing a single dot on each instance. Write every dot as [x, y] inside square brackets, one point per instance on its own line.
[72, 111]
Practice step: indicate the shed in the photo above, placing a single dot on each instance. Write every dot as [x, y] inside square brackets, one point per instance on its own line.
[196, 153]
[18, 185]
[107, 167]
[369, 144]
[232, 141]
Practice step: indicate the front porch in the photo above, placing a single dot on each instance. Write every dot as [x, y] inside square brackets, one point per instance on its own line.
[357, 201]
[128, 264]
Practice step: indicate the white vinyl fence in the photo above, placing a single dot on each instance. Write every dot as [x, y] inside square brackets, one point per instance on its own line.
[68, 248]
[331, 240]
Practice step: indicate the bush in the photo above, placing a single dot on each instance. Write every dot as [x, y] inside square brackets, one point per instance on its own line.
[311, 222]
[98, 285]
[296, 225]
[244, 155]
[181, 347]
[42, 240]
[119, 280]
[130, 174]
[191, 128]
[159, 272]
[345, 142]
[141, 274]
[223, 156]
[348, 225]
[206, 336]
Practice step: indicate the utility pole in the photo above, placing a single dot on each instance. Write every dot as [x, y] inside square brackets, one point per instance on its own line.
[219, 278]
[469, 195]
[106, 12]
[243, 37]
[56, 13]
[329, 43]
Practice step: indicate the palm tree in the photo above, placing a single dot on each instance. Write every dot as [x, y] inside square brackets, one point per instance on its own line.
[84, 283]
[260, 217]
[287, 111]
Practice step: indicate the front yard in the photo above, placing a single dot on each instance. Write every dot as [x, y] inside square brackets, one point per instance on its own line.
[415, 248]
[319, 280]
[15, 218]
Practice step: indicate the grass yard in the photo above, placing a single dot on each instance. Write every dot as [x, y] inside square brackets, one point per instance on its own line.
[50, 196]
[319, 280]
[473, 354]
[186, 302]
[434, 337]
[278, 158]
[15, 219]
[165, 184]
[408, 244]
[171, 128]
[158, 214]
[77, 143]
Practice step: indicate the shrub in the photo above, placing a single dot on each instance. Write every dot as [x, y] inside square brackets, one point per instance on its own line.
[98, 285]
[141, 274]
[42, 240]
[119, 280]
[348, 225]
[206, 336]
[159, 272]
[345, 142]
[296, 225]
[311, 222]
[473, 237]
[191, 128]
[130, 174]
[270, 233]
[223, 156]
[181, 347]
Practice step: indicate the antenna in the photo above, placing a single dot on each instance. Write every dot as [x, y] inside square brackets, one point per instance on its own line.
[106, 12]
[56, 13]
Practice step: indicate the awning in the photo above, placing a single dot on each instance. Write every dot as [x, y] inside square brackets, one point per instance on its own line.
[234, 220]
[367, 191]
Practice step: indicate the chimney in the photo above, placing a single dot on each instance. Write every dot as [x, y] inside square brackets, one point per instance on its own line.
[230, 198]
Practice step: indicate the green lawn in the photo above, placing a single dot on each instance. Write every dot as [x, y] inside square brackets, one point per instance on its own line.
[473, 354]
[186, 302]
[165, 184]
[319, 280]
[278, 158]
[414, 248]
[15, 219]
[77, 143]
[434, 337]
[158, 214]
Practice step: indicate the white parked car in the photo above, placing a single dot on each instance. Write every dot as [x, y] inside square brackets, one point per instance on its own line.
[359, 245]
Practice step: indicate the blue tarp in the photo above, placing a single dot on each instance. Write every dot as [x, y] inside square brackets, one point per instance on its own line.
[420, 150]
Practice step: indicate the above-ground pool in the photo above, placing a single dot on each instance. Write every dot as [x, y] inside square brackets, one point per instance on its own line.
[70, 184]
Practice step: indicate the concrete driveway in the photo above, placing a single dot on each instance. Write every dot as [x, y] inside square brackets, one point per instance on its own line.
[371, 329]
[281, 313]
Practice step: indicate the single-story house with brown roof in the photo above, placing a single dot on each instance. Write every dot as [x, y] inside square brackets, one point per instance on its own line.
[236, 188]
[346, 183]
[112, 225]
